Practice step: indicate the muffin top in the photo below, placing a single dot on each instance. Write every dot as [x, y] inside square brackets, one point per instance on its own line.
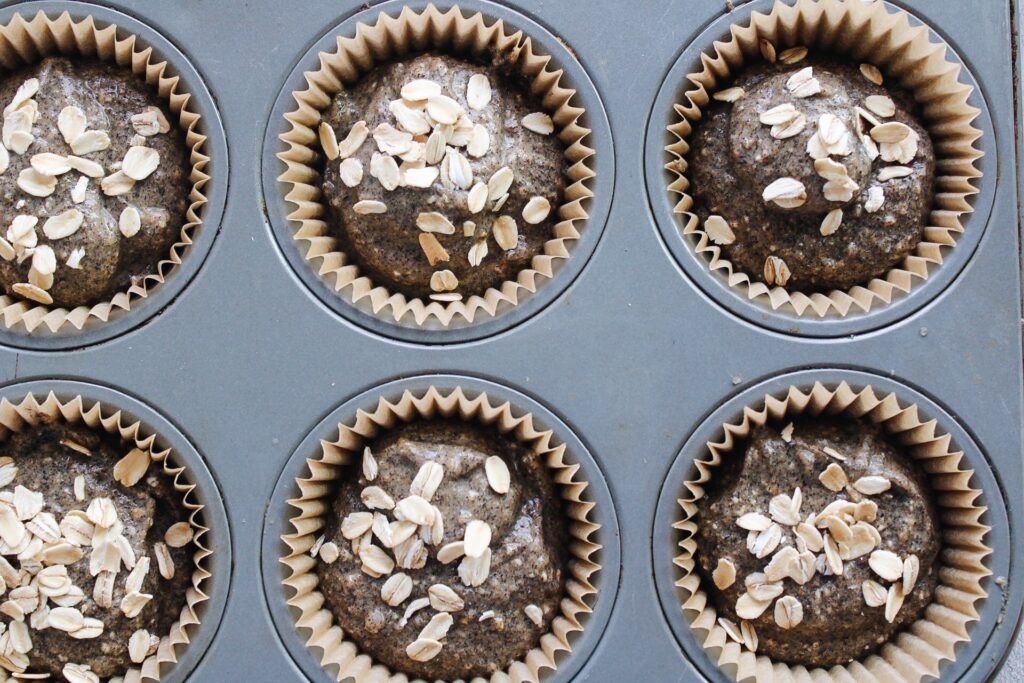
[445, 557]
[442, 176]
[94, 554]
[818, 542]
[812, 173]
[94, 183]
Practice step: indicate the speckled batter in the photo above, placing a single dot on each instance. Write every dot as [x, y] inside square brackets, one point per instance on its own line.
[734, 157]
[837, 626]
[527, 567]
[147, 510]
[109, 96]
[386, 245]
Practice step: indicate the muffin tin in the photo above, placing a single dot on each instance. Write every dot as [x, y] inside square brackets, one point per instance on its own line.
[628, 353]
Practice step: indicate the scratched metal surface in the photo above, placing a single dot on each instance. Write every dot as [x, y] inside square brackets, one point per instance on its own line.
[246, 361]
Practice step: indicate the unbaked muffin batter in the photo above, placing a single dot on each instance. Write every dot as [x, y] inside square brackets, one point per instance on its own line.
[478, 614]
[488, 175]
[95, 183]
[822, 538]
[810, 175]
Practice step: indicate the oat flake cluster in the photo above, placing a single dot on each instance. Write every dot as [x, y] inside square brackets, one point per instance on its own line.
[823, 542]
[382, 544]
[430, 141]
[40, 594]
[892, 141]
[40, 180]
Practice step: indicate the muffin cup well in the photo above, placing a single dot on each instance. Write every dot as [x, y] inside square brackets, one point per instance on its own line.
[912, 654]
[31, 411]
[24, 41]
[313, 503]
[390, 37]
[905, 52]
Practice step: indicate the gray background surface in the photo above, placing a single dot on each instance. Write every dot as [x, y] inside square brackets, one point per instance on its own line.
[246, 361]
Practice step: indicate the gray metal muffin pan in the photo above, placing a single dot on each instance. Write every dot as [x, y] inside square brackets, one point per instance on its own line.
[628, 362]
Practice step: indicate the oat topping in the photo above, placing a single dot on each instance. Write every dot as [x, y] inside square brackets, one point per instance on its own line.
[718, 230]
[787, 432]
[803, 83]
[536, 210]
[431, 141]
[367, 206]
[874, 593]
[830, 224]
[443, 281]
[433, 221]
[130, 222]
[86, 167]
[432, 248]
[506, 232]
[753, 521]
[140, 162]
[793, 55]
[788, 612]
[45, 541]
[375, 498]
[729, 94]
[833, 478]
[881, 105]
[478, 92]
[539, 123]
[369, 465]
[871, 72]
[785, 192]
[876, 197]
[178, 535]
[872, 485]
[776, 272]
[444, 599]
[32, 292]
[498, 476]
[892, 172]
[795, 548]
[354, 139]
[477, 253]
[833, 453]
[63, 224]
[724, 574]
[423, 649]
[780, 117]
[394, 539]
[396, 589]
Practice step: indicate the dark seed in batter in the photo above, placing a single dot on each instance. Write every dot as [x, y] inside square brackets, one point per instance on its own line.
[527, 565]
[838, 625]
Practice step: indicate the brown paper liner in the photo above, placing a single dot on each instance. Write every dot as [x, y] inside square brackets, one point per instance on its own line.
[865, 31]
[30, 411]
[408, 33]
[314, 502]
[25, 41]
[913, 653]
